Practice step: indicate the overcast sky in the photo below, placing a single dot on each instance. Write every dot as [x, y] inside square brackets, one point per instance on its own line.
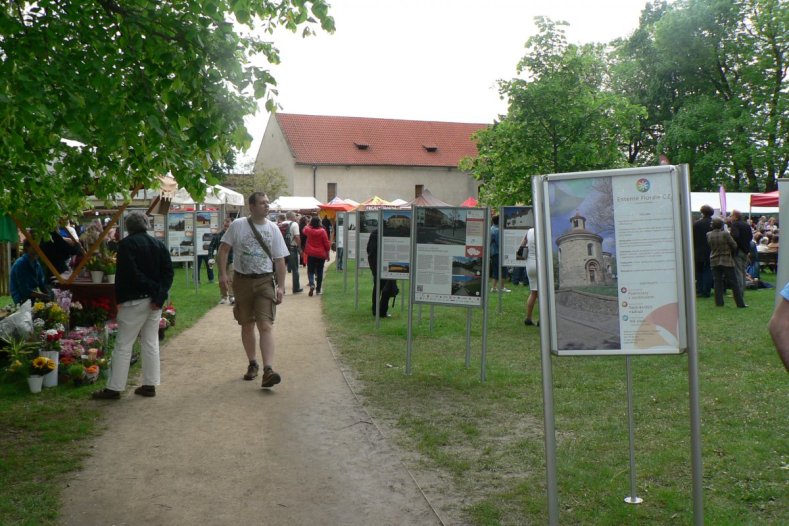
[425, 59]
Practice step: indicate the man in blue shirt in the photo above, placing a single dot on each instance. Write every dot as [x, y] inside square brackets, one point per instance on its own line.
[779, 326]
[27, 276]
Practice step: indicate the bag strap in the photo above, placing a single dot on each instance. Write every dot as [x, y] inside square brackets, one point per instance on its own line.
[260, 239]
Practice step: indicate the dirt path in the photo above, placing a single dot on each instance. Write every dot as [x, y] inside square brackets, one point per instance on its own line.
[213, 449]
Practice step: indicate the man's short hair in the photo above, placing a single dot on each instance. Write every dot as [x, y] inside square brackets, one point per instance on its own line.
[136, 222]
[717, 223]
[281, 217]
[495, 219]
[707, 211]
[253, 197]
[291, 215]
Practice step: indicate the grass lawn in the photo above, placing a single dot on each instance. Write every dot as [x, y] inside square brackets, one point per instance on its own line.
[43, 436]
[488, 437]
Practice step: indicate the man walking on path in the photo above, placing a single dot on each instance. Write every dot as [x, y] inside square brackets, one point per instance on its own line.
[142, 283]
[259, 252]
[225, 290]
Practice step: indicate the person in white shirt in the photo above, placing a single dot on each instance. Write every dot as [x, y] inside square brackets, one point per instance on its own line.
[259, 282]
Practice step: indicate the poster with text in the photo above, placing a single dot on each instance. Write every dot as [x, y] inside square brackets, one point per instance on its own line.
[206, 225]
[514, 222]
[449, 250]
[395, 244]
[366, 222]
[351, 235]
[180, 235]
[159, 228]
[616, 272]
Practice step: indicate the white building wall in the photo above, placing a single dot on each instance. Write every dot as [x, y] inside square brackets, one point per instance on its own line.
[360, 182]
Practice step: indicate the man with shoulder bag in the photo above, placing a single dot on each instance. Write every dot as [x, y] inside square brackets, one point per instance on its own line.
[259, 252]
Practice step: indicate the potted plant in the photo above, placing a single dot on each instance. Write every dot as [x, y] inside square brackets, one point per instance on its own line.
[18, 351]
[39, 367]
[110, 267]
[95, 266]
[77, 373]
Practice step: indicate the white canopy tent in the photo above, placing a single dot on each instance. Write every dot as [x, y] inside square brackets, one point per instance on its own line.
[734, 201]
[288, 202]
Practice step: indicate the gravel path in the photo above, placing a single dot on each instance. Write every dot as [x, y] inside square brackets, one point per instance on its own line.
[213, 449]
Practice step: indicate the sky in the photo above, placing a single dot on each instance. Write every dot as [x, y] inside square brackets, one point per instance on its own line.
[424, 59]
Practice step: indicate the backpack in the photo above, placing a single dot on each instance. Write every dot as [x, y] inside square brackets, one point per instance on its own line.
[284, 227]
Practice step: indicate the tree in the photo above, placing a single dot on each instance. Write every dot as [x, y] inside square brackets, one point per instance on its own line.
[713, 76]
[101, 96]
[562, 117]
[270, 180]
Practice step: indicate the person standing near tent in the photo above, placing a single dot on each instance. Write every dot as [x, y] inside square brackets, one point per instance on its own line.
[259, 253]
[701, 252]
[742, 235]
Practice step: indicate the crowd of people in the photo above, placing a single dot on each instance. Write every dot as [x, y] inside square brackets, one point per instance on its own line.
[727, 253]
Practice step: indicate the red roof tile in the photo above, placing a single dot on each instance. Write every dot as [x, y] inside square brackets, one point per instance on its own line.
[327, 140]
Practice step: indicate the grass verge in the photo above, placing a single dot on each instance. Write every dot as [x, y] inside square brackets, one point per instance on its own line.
[488, 437]
[43, 437]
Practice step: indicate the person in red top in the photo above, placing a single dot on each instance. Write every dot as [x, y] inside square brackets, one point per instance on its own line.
[317, 252]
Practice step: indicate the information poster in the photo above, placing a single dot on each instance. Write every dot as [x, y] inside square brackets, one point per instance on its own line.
[339, 234]
[180, 235]
[366, 222]
[617, 274]
[351, 235]
[159, 228]
[450, 247]
[395, 244]
[514, 222]
[206, 225]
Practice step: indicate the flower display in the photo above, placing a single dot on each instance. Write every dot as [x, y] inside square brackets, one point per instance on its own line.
[42, 365]
[51, 314]
[50, 339]
[168, 313]
[92, 312]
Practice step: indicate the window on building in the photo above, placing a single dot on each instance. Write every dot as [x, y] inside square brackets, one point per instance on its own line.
[589, 249]
[331, 191]
[418, 190]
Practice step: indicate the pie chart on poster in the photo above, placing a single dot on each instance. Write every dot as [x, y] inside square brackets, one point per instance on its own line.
[660, 328]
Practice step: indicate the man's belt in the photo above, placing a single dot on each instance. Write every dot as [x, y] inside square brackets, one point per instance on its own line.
[253, 276]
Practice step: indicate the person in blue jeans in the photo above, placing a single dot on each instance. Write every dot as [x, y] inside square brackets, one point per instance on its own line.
[498, 285]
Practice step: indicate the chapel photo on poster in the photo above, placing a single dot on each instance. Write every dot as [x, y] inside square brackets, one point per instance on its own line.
[583, 243]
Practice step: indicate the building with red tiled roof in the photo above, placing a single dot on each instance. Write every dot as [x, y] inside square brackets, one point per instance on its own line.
[356, 157]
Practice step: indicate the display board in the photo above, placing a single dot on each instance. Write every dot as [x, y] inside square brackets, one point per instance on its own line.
[366, 222]
[206, 225]
[616, 269]
[180, 236]
[351, 235]
[159, 227]
[450, 248]
[395, 262]
[514, 222]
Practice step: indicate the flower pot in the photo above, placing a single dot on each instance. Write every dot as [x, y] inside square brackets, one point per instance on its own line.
[51, 378]
[96, 276]
[35, 382]
[110, 278]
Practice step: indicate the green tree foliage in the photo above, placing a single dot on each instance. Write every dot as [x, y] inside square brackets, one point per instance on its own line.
[713, 77]
[562, 117]
[270, 180]
[100, 96]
